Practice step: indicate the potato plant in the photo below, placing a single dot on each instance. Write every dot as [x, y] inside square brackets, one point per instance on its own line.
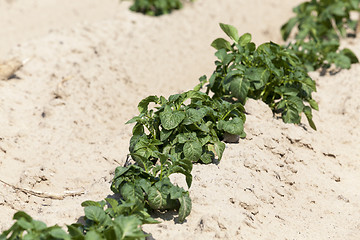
[26, 227]
[320, 26]
[269, 72]
[121, 221]
[188, 127]
[156, 7]
[143, 189]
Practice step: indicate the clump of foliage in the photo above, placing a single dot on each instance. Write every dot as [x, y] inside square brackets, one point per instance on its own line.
[115, 219]
[26, 227]
[321, 24]
[269, 72]
[168, 137]
[188, 127]
[120, 221]
[156, 7]
[111, 219]
[158, 193]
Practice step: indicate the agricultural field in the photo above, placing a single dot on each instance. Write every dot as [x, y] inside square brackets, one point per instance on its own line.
[85, 68]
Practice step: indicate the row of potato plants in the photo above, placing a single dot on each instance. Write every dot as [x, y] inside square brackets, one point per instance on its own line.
[171, 134]
[165, 141]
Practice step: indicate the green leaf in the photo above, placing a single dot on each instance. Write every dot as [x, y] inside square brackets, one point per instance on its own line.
[138, 129]
[245, 39]
[142, 142]
[337, 9]
[204, 128]
[93, 235]
[310, 83]
[197, 95]
[111, 232]
[221, 43]
[129, 227]
[58, 233]
[75, 232]
[350, 54]
[342, 61]
[185, 207]
[291, 115]
[194, 116]
[313, 104]
[120, 171]
[132, 192]
[143, 104]
[173, 98]
[296, 102]
[134, 119]
[186, 164]
[207, 157]
[21, 214]
[230, 31]
[39, 225]
[90, 203]
[24, 224]
[287, 27]
[258, 76]
[219, 149]
[171, 119]
[113, 202]
[135, 141]
[144, 184]
[287, 91]
[96, 214]
[185, 137]
[176, 192]
[308, 114]
[233, 126]
[354, 4]
[221, 54]
[156, 199]
[165, 134]
[192, 150]
[146, 218]
[205, 140]
[239, 88]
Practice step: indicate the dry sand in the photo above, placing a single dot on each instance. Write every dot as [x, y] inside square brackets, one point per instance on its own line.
[62, 121]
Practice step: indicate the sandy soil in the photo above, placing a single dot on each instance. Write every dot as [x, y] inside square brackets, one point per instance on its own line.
[62, 121]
